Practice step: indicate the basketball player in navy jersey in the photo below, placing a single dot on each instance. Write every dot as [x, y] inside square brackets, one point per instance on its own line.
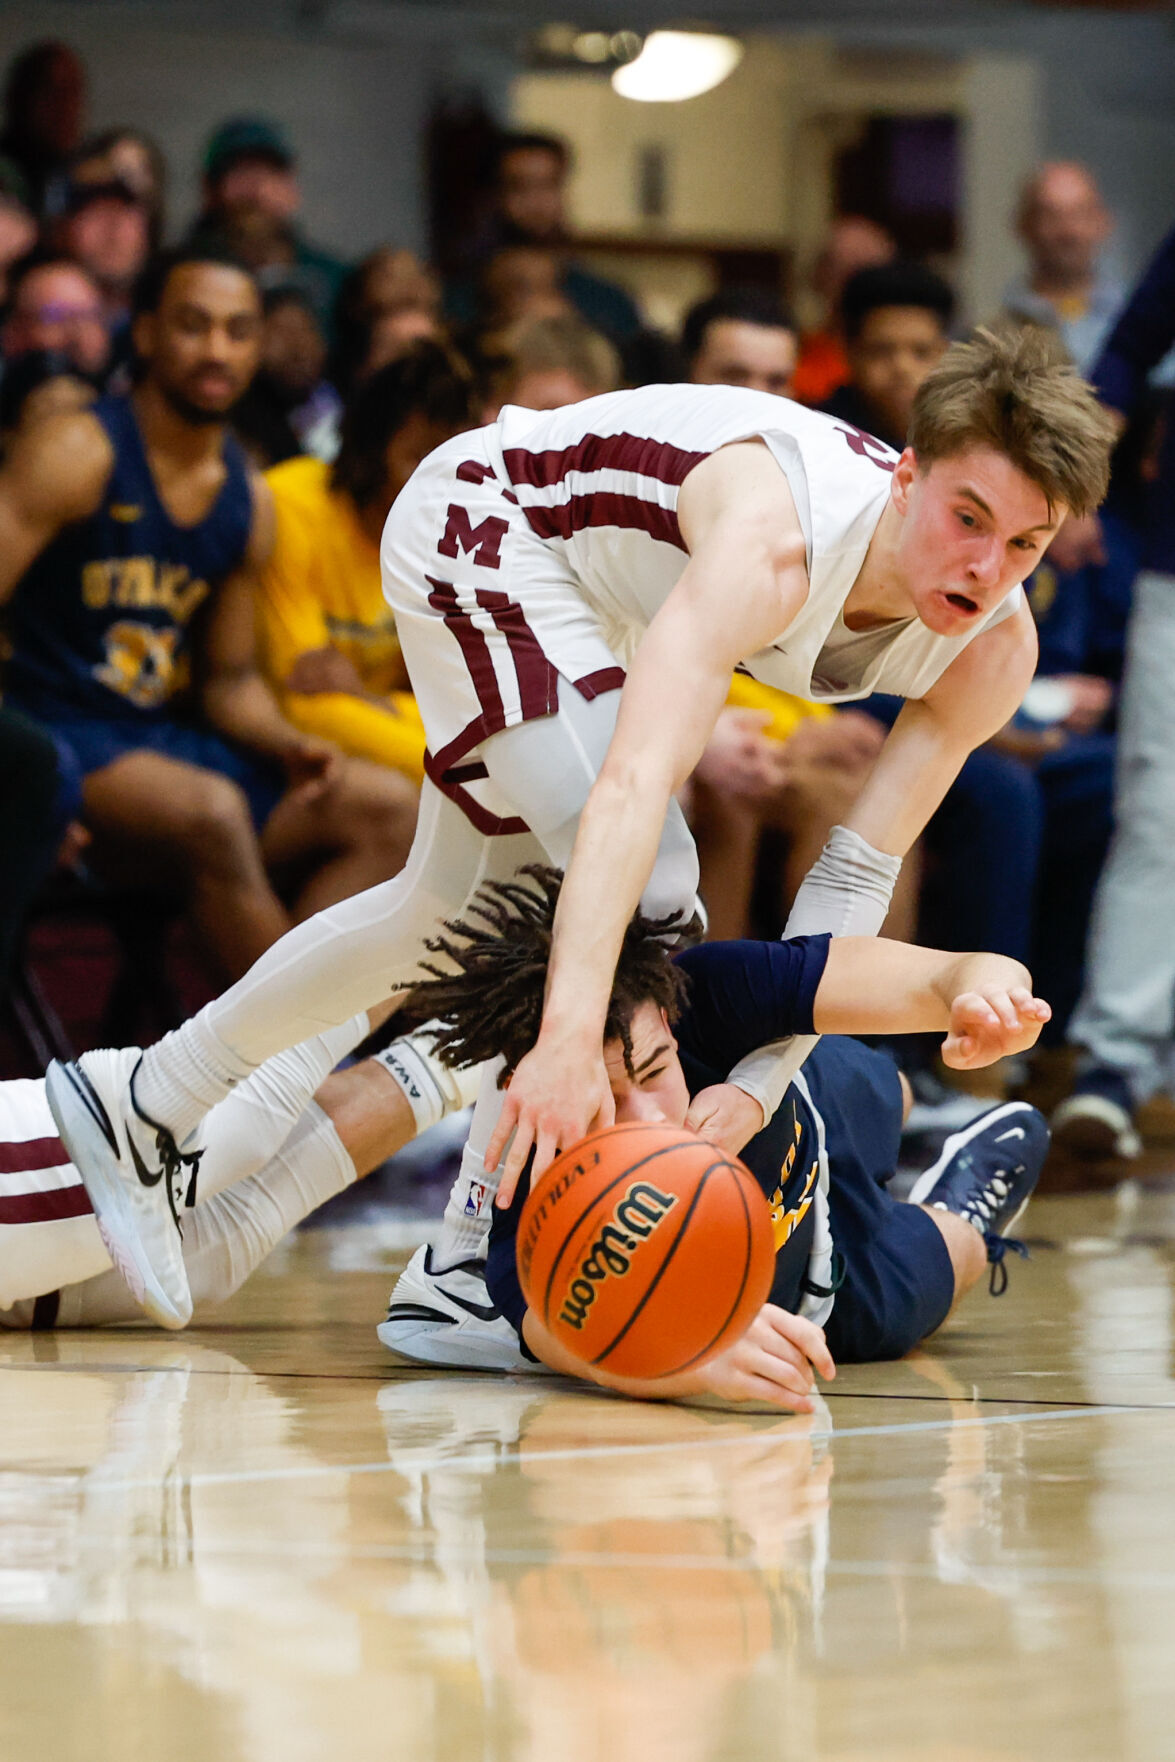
[859, 1275]
[127, 533]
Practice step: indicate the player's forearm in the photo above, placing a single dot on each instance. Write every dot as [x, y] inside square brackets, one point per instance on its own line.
[612, 859]
[873, 986]
[243, 707]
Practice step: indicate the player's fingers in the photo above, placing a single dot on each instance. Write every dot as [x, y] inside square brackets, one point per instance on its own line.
[1006, 1011]
[515, 1160]
[808, 1338]
[546, 1149]
[507, 1120]
[765, 1384]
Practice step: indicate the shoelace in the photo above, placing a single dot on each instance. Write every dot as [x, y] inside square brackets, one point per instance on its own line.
[181, 1191]
[997, 1248]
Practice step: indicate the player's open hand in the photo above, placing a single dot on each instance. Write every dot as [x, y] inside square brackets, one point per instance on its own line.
[725, 1115]
[991, 1023]
[774, 1361]
[556, 1096]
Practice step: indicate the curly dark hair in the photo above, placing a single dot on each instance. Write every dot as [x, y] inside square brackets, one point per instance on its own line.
[492, 1004]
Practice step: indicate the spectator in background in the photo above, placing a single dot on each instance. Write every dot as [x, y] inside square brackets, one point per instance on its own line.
[328, 638]
[131, 157]
[117, 525]
[518, 282]
[1125, 1020]
[896, 321]
[530, 196]
[387, 304]
[251, 202]
[547, 362]
[55, 306]
[291, 407]
[741, 338]
[106, 229]
[1064, 224]
[18, 229]
[44, 115]
[853, 243]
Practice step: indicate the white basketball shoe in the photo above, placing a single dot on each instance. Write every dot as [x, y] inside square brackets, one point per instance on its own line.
[448, 1318]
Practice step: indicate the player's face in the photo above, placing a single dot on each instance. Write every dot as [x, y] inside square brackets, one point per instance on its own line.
[203, 343]
[657, 1093]
[973, 527]
[761, 357]
[896, 349]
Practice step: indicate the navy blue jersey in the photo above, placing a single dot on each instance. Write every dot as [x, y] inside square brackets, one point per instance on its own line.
[742, 995]
[100, 620]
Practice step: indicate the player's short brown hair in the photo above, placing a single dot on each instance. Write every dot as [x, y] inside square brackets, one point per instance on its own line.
[1014, 391]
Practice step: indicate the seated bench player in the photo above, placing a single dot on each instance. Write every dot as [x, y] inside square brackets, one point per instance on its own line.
[859, 1275]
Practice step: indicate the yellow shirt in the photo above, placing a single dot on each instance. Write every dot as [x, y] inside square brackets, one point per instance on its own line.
[786, 712]
[321, 588]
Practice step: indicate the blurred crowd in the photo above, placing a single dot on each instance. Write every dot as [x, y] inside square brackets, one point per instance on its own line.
[256, 754]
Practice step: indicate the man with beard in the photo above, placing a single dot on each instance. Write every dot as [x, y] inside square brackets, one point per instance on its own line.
[128, 534]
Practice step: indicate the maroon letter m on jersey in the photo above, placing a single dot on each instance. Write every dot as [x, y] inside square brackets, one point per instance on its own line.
[484, 540]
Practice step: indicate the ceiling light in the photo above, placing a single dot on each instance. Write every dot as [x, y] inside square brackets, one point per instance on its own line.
[677, 64]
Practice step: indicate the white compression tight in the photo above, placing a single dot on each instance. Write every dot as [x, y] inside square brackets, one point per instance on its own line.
[357, 953]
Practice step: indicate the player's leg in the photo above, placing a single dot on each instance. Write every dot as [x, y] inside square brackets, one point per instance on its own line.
[439, 1312]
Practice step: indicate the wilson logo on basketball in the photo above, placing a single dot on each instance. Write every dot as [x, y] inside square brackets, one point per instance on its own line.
[633, 1222]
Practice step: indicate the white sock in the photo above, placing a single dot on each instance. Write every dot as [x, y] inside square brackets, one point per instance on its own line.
[185, 1074]
[227, 1239]
[243, 1131]
[465, 1227]
[431, 1089]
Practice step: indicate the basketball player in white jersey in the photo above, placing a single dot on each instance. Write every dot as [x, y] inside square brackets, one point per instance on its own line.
[572, 590]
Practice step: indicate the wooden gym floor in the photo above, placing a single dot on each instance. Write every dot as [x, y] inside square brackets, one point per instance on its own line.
[262, 1541]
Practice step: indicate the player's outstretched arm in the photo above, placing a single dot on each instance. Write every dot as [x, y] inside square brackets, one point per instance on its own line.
[983, 1002]
[55, 473]
[744, 583]
[774, 1361]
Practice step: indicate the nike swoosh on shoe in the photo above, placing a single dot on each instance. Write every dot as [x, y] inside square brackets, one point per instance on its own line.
[148, 1177]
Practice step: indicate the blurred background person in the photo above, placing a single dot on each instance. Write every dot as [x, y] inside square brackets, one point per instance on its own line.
[135, 159]
[744, 337]
[105, 227]
[252, 199]
[896, 323]
[55, 307]
[1063, 225]
[544, 363]
[328, 639]
[291, 407]
[1125, 1020]
[387, 303]
[44, 115]
[853, 243]
[37, 384]
[529, 209]
[120, 525]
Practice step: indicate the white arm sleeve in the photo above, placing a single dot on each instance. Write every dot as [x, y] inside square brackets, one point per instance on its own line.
[846, 892]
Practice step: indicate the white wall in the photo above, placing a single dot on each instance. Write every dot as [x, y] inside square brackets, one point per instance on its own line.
[354, 110]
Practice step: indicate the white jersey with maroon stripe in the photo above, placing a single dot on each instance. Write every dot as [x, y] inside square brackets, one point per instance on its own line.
[599, 481]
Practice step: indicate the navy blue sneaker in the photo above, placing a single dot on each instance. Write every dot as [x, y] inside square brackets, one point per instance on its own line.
[1097, 1120]
[986, 1174]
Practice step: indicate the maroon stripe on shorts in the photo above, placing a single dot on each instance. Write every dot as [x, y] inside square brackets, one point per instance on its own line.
[448, 781]
[600, 452]
[34, 1153]
[44, 1208]
[474, 647]
[604, 508]
[602, 680]
[538, 682]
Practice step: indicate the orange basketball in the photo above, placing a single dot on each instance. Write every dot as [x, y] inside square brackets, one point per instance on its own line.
[645, 1250]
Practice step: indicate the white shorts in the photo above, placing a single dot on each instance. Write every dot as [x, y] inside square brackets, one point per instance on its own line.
[47, 1233]
[489, 618]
